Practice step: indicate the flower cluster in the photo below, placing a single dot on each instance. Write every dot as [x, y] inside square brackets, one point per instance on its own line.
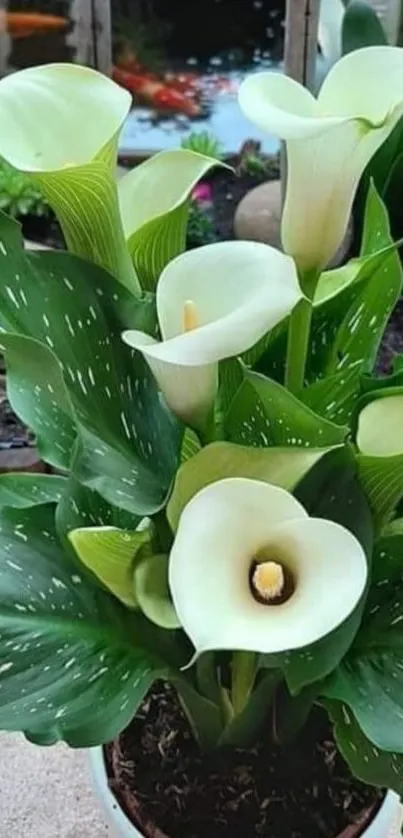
[225, 504]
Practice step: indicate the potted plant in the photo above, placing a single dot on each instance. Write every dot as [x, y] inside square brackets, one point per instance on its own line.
[210, 583]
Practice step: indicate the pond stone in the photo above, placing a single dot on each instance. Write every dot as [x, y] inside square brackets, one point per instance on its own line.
[258, 218]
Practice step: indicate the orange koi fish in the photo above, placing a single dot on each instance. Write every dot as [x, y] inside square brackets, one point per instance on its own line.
[155, 93]
[25, 24]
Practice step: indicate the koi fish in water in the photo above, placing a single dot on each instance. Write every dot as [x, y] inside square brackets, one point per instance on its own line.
[25, 24]
[156, 93]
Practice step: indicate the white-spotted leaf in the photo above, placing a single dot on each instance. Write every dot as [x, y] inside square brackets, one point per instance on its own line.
[73, 662]
[263, 413]
[77, 310]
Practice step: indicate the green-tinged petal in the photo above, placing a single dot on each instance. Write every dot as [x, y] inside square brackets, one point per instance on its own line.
[282, 467]
[220, 533]
[61, 125]
[151, 590]
[380, 425]
[380, 442]
[153, 203]
[110, 554]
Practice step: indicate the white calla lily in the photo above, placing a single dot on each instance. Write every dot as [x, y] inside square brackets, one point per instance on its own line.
[213, 303]
[329, 141]
[237, 534]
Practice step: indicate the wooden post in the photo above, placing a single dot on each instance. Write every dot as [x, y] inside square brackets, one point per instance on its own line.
[300, 50]
[5, 40]
[91, 37]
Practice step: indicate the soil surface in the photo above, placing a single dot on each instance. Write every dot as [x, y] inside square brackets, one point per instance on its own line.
[167, 787]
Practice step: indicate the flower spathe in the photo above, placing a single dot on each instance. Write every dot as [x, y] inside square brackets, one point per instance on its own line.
[213, 302]
[59, 116]
[224, 531]
[329, 141]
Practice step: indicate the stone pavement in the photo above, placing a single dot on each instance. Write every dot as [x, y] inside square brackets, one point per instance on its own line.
[46, 792]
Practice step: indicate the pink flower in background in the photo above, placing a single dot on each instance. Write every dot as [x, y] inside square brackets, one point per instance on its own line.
[202, 193]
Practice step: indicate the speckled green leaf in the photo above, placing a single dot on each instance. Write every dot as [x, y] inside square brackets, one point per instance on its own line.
[78, 311]
[359, 336]
[22, 490]
[82, 507]
[263, 413]
[74, 664]
[335, 396]
[367, 762]
[330, 490]
[370, 678]
[38, 394]
[280, 466]
[336, 295]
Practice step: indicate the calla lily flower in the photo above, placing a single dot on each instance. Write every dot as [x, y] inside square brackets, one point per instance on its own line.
[250, 570]
[329, 142]
[61, 125]
[213, 303]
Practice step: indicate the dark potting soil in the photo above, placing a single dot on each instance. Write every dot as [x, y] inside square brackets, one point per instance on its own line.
[169, 788]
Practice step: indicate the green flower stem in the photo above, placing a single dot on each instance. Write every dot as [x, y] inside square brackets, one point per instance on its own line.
[244, 669]
[297, 346]
[298, 333]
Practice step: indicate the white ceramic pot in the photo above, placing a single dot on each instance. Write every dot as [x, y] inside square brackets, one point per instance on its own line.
[385, 825]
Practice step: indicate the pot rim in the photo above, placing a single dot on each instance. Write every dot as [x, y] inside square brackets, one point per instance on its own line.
[383, 821]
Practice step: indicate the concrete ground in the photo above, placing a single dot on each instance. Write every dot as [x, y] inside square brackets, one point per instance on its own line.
[46, 792]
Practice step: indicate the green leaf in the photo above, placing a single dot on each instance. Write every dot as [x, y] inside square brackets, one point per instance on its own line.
[370, 678]
[154, 206]
[330, 490]
[336, 292]
[38, 395]
[265, 413]
[151, 589]
[367, 762]
[79, 312]
[81, 507]
[359, 335]
[244, 729]
[74, 663]
[282, 467]
[380, 441]
[190, 445]
[335, 396]
[361, 27]
[46, 107]
[231, 376]
[22, 490]
[110, 554]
